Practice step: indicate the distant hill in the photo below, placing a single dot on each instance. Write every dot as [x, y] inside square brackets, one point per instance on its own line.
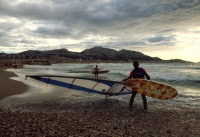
[92, 54]
[110, 54]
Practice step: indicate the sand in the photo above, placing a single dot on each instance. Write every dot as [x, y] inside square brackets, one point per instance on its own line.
[8, 86]
[111, 118]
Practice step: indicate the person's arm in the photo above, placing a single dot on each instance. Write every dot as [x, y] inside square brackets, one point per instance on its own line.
[147, 76]
[129, 77]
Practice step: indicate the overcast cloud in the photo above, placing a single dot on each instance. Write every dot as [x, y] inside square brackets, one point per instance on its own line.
[152, 27]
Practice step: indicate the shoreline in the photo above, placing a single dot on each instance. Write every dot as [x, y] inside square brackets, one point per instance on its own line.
[8, 86]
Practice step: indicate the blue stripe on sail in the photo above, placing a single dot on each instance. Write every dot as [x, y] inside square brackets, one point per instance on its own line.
[45, 80]
[68, 85]
[55, 82]
[72, 86]
[108, 83]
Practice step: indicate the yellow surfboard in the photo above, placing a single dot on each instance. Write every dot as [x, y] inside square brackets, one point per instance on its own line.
[152, 88]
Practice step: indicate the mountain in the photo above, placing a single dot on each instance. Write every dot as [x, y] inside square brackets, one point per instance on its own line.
[93, 54]
[110, 54]
[100, 53]
[44, 53]
[134, 55]
[49, 53]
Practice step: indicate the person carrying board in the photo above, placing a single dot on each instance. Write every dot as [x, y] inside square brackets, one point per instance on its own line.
[96, 71]
[137, 72]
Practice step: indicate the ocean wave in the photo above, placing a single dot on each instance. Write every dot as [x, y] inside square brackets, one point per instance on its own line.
[178, 80]
[192, 97]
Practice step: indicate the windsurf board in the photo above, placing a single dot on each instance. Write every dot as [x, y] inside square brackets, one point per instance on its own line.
[101, 71]
[87, 71]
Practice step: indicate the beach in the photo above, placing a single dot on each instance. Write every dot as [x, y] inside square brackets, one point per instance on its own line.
[105, 118]
[8, 86]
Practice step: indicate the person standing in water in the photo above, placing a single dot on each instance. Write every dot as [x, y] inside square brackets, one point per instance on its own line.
[138, 72]
[96, 71]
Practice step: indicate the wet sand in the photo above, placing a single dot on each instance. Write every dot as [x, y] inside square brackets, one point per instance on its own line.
[9, 87]
[111, 118]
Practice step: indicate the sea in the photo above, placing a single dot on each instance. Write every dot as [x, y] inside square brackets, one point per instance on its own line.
[182, 76]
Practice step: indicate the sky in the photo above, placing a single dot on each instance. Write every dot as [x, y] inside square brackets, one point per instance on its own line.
[168, 29]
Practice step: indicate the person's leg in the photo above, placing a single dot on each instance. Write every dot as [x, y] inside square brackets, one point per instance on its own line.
[132, 98]
[144, 101]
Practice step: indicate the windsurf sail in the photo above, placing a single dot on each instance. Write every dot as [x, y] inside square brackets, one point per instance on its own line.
[99, 86]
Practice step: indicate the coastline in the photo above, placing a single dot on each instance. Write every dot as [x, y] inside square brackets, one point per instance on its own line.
[8, 86]
[89, 118]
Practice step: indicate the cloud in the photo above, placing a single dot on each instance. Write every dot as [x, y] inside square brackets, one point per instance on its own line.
[56, 31]
[110, 23]
[157, 39]
[2, 34]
